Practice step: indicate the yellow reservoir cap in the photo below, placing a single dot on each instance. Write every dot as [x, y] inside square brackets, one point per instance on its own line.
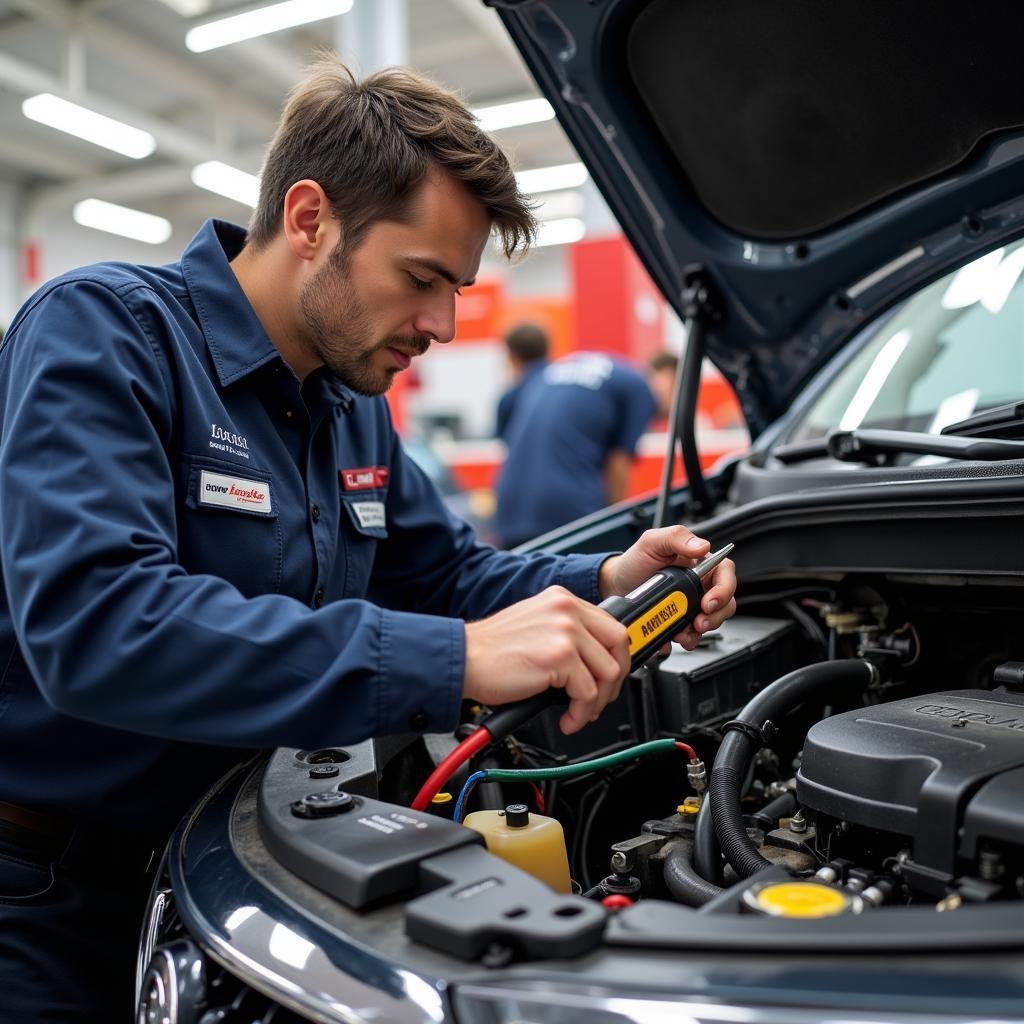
[798, 899]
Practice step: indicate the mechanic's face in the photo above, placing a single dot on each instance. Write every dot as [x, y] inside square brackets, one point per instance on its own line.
[368, 312]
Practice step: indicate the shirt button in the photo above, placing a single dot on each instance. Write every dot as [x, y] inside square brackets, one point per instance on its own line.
[419, 721]
[288, 413]
[315, 513]
[318, 598]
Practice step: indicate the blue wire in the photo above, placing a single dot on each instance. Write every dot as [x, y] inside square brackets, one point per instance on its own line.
[464, 793]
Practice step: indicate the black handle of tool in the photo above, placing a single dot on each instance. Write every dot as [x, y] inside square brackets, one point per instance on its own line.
[506, 719]
[661, 598]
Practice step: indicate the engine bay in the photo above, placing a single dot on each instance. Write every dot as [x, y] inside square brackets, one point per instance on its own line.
[842, 748]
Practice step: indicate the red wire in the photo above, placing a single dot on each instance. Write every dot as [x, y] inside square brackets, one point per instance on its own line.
[472, 744]
[539, 797]
[690, 752]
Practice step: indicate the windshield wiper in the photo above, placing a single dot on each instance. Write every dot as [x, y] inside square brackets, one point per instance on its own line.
[1003, 421]
[874, 445]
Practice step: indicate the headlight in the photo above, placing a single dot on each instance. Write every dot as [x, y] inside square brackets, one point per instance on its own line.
[174, 985]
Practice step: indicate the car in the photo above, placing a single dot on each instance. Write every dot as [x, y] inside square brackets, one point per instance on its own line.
[816, 816]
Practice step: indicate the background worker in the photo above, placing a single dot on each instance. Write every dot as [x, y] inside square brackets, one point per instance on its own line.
[212, 541]
[527, 348]
[571, 438]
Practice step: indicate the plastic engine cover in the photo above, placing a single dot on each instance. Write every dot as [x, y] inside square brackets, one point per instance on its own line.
[914, 766]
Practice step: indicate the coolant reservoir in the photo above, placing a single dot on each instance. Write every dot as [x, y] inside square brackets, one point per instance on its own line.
[530, 841]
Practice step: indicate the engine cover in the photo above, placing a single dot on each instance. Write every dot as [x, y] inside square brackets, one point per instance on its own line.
[942, 768]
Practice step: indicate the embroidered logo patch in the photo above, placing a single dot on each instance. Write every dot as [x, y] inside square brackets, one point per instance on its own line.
[368, 478]
[369, 513]
[233, 492]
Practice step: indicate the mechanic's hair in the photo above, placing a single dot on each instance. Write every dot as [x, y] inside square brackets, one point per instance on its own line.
[663, 361]
[527, 343]
[369, 145]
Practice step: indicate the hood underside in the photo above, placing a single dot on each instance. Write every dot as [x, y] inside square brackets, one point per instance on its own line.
[816, 160]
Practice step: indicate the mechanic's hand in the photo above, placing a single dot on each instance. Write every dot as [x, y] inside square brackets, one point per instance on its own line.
[674, 545]
[554, 639]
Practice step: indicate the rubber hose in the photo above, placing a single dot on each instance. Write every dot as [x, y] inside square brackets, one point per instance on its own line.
[684, 883]
[738, 749]
[707, 854]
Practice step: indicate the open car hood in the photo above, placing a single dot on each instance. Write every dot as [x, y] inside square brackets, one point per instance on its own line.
[814, 161]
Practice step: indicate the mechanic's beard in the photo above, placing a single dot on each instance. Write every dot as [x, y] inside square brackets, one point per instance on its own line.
[338, 331]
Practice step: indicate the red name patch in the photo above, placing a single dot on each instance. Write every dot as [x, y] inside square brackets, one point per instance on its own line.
[367, 479]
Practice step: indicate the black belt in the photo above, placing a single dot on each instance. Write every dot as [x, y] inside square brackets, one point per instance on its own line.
[80, 846]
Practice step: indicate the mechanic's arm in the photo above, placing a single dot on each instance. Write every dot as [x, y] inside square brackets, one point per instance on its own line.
[557, 640]
[112, 627]
[616, 474]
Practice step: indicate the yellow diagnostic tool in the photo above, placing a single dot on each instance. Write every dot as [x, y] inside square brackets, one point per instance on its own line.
[662, 606]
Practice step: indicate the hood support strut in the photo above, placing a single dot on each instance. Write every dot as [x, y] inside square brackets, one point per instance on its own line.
[699, 308]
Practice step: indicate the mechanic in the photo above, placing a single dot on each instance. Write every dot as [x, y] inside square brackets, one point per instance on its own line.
[527, 347]
[571, 437]
[212, 542]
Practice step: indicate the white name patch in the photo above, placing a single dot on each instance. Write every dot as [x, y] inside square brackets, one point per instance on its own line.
[234, 492]
[369, 513]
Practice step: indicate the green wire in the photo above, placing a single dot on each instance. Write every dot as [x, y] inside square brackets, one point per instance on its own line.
[570, 771]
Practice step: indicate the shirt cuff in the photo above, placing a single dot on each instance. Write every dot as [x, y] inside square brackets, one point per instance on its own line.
[579, 574]
[421, 673]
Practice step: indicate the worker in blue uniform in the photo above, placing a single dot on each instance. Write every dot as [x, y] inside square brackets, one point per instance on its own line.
[527, 347]
[211, 539]
[571, 430]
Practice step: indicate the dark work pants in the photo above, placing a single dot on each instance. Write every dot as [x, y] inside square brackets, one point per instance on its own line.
[70, 917]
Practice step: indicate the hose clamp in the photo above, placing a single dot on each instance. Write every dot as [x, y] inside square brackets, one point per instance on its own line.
[754, 733]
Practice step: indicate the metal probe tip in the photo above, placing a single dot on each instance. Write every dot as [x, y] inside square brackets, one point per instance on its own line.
[703, 568]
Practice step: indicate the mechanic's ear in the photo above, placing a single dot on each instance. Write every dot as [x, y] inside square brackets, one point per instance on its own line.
[308, 224]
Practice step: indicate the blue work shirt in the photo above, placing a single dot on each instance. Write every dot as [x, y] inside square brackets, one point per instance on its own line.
[508, 401]
[200, 555]
[564, 424]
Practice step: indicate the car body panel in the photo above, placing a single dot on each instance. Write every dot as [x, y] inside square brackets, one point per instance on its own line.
[791, 301]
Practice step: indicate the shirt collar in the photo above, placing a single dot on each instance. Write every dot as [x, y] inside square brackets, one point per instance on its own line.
[234, 334]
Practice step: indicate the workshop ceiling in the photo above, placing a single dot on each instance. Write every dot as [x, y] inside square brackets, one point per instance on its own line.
[128, 60]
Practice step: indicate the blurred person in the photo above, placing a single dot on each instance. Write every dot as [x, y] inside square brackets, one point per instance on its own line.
[527, 349]
[213, 542]
[571, 438]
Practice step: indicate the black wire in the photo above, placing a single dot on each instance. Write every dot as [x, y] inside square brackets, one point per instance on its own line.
[783, 595]
[585, 832]
[810, 627]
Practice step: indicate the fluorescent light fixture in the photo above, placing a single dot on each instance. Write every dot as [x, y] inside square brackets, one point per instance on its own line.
[188, 8]
[512, 115]
[550, 179]
[87, 124]
[557, 205]
[228, 181]
[261, 21]
[874, 380]
[560, 232]
[121, 220]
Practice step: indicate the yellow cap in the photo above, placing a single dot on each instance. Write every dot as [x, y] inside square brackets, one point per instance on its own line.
[441, 798]
[691, 805]
[798, 899]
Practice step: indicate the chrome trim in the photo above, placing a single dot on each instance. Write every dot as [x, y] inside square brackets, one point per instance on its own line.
[150, 929]
[561, 1006]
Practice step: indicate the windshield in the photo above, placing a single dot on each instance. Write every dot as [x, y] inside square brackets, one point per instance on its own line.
[954, 349]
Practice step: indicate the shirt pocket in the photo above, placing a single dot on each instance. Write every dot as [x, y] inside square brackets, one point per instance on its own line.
[363, 524]
[230, 525]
